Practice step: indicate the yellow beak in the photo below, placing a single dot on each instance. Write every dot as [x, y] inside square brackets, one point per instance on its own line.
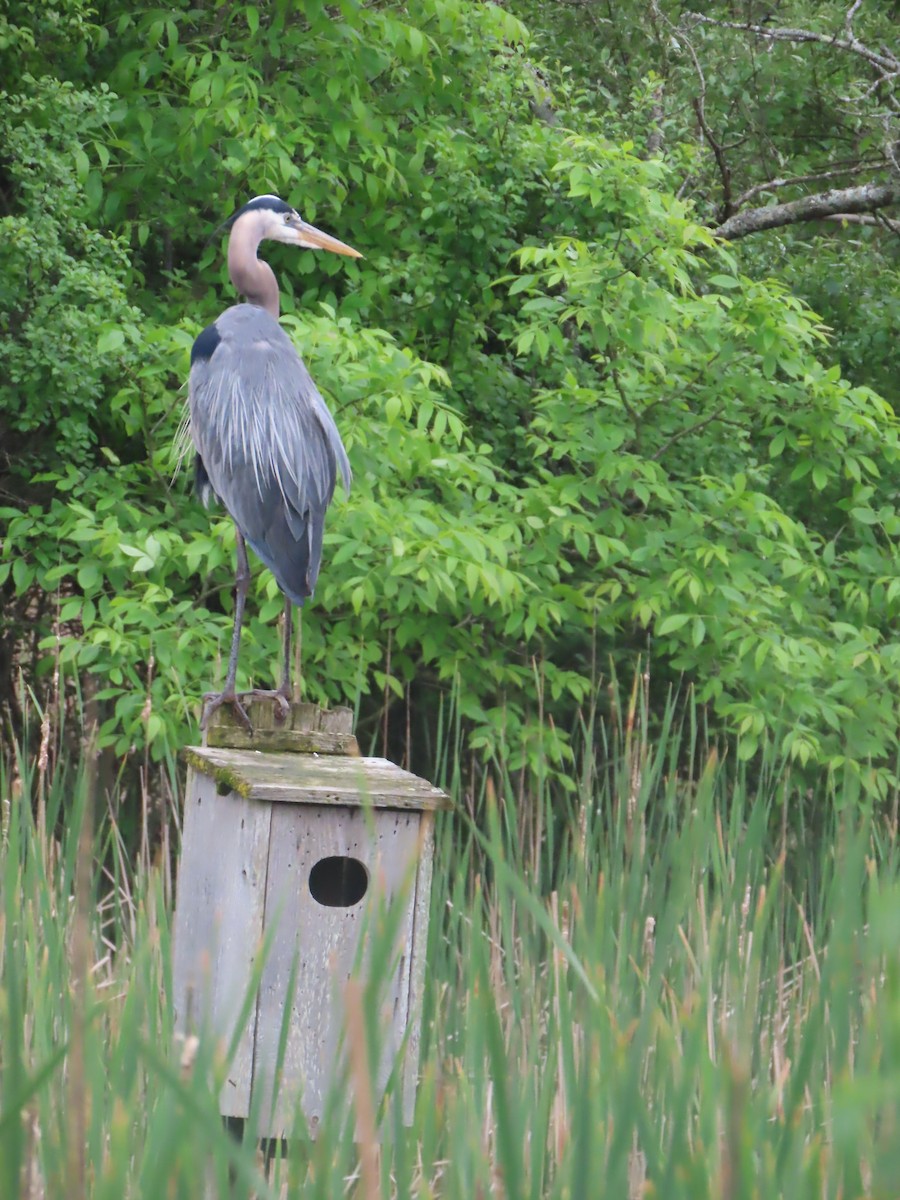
[309, 236]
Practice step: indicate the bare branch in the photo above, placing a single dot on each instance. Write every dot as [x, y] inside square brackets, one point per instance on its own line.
[772, 185]
[655, 140]
[836, 202]
[852, 43]
[699, 106]
[848, 20]
[874, 85]
[695, 428]
[868, 197]
[623, 396]
[721, 160]
[878, 219]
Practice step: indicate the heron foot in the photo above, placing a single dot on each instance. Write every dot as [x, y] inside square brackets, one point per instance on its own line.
[278, 695]
[214, 700]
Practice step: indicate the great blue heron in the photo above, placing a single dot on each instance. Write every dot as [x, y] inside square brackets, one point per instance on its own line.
[267, 446]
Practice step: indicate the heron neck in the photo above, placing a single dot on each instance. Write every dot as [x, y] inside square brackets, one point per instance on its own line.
[252, 278]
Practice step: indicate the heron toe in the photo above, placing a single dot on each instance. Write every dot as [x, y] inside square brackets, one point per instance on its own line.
[215, 700]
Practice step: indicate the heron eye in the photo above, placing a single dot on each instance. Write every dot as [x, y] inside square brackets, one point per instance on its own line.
[287, 218]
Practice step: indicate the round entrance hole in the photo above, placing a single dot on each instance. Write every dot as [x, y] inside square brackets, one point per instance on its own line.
[338, 881]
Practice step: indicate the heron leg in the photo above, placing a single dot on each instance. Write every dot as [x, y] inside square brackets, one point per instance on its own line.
[284, 693]
[214, 700]
[286, 688]
[241, 587]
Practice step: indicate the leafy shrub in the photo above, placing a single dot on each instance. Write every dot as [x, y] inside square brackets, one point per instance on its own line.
[579, 428]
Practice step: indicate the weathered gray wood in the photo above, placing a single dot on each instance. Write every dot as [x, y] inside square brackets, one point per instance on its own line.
[219, 923]
[243, 870]
[256, 822]
[418, 946]
[310, 779]
[197, 884]
[307, 729]
[291, 741]
[324, 942]
[336, 720]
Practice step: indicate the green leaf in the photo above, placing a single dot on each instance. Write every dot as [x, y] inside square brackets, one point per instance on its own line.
[22, 574]
[110, 340]
[82, 164]
[865, 516]
[672, 624]
[416, 41]
[747, 748]
[70, 610]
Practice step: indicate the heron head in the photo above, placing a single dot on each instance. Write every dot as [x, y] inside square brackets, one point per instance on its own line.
[278, 222]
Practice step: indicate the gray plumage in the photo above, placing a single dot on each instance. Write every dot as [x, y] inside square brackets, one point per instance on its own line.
[269, 446]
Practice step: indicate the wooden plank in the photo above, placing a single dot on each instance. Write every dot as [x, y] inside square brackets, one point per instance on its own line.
[323, 942]
[336, 720]
[307, 729]
[308, 779]
[292, 741]
[243, 863]
[421, 915]
[219, 923]
[194, 926]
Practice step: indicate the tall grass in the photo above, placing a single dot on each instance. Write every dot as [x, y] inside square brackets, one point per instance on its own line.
[652, 984]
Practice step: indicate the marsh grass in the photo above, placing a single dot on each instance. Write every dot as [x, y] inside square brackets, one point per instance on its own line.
[655, 983]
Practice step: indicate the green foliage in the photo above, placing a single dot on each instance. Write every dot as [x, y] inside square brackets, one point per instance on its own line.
[745, 120]
[67, 330]
[854, 281]
[678, 451]
[579, 429]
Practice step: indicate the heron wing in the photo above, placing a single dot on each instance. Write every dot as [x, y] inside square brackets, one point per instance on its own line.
[268, 445]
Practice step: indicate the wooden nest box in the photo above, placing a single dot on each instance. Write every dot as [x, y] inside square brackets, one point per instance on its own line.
[291, 839]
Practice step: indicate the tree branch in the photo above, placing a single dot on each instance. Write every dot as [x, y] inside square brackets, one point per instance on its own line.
[835, 202]
[655, 140]
[699, 106]
[721, 161]
[852, 43]
[867, 198]
[848, 19]
[772, 185]
[695, 428]
[866, 219]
